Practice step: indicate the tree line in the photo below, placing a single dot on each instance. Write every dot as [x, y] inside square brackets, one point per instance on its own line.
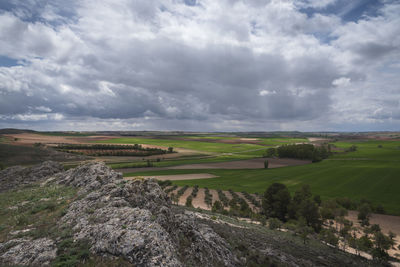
[299, 151]
[113, 150]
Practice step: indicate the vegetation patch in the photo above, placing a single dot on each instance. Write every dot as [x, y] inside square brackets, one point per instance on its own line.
[33, 211]
[112, 150]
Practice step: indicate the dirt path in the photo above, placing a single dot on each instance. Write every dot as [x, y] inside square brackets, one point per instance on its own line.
[176, 176]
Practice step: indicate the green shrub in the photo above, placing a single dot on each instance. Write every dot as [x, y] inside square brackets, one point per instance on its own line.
[274, 223]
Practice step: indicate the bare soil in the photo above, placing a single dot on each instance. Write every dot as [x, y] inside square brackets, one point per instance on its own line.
[182, 199]
[30, 139]
[257, 163]
[177, 176]
[198, 201]
[386, 222]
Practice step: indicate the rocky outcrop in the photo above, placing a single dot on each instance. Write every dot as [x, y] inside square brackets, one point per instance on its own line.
[134, 220]
[18, 176]
[26, 252]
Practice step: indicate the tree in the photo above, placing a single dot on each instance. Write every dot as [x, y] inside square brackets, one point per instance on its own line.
[304, 206]
[275, 201]
[392, 236]
[274, 223]
[317, 199]
[382, 243]
[365, 243]
[328, 235]
[364, 213]
[266, 164]
[308, 210]
[270, 153]
[303, 230]
[189, 201]
[170, 149]
[217, 206]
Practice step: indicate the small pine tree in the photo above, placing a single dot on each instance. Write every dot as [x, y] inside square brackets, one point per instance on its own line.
[266, 163]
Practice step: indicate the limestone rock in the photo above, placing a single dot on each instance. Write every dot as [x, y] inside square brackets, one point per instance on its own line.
[26, 252]
[134, 219]
[18, 176]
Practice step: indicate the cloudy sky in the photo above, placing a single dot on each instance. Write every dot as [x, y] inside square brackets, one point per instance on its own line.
[200, 65]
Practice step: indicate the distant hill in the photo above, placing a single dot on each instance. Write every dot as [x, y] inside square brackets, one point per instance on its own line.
[15, 131]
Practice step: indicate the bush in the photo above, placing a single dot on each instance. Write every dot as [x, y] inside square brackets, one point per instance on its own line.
[223, 198]
[364, 212]
[167, 191]
[194, 191]
[189, 201]
[274, 223]
[207, 197]
[164, 183]
[328, 236]
[217, 207]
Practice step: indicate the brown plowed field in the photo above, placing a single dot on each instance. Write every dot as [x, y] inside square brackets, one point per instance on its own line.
[198, 201]
[257, 163]
[182, 199]
[177, 176]
[30, 139]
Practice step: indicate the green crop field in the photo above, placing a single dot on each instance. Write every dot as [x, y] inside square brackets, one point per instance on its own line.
[371, 173]
[211, 147]
[375, 181]
[194, 145]
[278, 141]
[373, 150]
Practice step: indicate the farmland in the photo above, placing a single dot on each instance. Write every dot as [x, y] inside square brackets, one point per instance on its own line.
[201, 171]
[371, 173]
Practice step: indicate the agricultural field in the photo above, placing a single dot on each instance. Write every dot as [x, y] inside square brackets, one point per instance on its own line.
[203, 169]
[203, 146]
[370, 172]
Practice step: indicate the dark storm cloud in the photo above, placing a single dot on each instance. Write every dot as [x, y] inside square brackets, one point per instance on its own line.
[189, 64]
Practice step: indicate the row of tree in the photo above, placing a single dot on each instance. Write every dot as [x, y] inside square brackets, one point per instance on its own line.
[111, 147]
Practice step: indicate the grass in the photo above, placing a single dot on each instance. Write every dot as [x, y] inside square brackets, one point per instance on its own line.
[193, 145]
[211, 147]
[37, 208]
[13, 155]
[389, 150]
[378, 182]
[180, 161]
[276, 141]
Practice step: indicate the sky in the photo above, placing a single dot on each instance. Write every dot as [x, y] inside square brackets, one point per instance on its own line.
[200, 65]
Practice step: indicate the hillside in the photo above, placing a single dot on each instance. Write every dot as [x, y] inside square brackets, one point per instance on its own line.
[91, 215]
